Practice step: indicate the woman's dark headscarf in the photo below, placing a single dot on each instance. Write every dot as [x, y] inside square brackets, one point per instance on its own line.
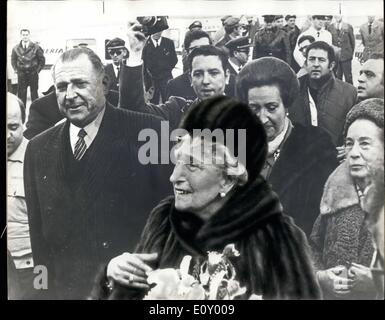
[225, 113]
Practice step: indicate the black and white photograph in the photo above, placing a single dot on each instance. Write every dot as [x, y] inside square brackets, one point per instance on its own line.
[195, 150]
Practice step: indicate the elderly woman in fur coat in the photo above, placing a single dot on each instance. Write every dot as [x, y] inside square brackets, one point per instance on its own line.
[340, 239]
[216, 204]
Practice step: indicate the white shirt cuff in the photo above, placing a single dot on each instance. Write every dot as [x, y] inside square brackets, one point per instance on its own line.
[134, 62]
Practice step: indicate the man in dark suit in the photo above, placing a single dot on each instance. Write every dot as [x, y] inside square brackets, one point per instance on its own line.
[209, 76]
[118, 53]
[372, 34]
[181, 85]
[293, 33]
[344, 43]
[88, 190]
[239, 50]
[159, 59]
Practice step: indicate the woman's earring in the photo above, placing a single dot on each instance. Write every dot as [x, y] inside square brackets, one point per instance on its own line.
[222, 194]
[287, 114]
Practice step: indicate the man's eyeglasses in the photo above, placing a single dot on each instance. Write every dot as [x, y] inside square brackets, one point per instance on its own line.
[113, 52]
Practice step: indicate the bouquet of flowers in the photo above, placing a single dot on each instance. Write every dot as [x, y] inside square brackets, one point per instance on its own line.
[216, 279]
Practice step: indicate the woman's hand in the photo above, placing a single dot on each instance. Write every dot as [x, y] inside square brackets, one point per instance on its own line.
[361, 277]
[332, 281]
[130, 269]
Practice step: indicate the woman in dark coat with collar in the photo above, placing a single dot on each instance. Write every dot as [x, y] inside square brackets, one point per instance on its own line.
[214, 206]
[299, 159]
[341, 241]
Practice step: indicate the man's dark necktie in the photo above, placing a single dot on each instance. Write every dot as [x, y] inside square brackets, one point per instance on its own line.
[370, 28]
[80, 146]
[318, 34]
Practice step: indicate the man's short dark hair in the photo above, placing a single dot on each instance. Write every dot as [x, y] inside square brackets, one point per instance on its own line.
[194, 35]
[323, 46]
[75, 53]
[310, 38]
[208, 50]
[24, 30]
[378, 56]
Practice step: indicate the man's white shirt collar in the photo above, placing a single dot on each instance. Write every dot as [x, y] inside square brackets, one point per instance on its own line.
[91, 129]
[115, 69]
[18, 154]
[155, 42]
[235, 67]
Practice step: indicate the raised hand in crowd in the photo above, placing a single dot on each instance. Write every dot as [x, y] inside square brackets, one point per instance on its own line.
[136, 40]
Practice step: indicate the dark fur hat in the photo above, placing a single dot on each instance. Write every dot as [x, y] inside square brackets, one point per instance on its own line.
[225, 113]
[369, 109]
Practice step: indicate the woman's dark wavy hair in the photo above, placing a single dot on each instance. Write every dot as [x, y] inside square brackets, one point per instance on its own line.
[265, 72]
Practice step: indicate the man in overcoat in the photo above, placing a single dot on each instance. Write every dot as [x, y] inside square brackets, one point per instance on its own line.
[88, 190]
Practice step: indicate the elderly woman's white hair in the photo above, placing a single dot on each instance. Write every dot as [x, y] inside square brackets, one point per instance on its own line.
[218, 154]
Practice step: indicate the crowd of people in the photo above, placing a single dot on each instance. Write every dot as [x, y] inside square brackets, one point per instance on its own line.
[304, 208]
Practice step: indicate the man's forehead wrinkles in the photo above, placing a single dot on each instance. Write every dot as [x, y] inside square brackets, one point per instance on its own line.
[73, 74]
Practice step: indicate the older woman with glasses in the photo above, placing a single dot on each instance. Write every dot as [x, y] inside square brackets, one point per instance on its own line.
[299, 159]
[220, 200]
[341, 241]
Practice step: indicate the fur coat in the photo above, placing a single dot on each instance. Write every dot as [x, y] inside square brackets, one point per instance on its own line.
[274, 256]
[339, 235]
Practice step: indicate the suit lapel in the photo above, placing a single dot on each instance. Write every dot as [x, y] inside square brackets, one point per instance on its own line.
[112, 73]
[53, 163]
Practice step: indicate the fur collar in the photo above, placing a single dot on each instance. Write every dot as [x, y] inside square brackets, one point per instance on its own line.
[339, 191]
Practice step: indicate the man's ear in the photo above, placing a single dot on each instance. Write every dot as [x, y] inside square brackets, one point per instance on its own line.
[227, 76]
[332, 65]
[189, 77]
[106, 84]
